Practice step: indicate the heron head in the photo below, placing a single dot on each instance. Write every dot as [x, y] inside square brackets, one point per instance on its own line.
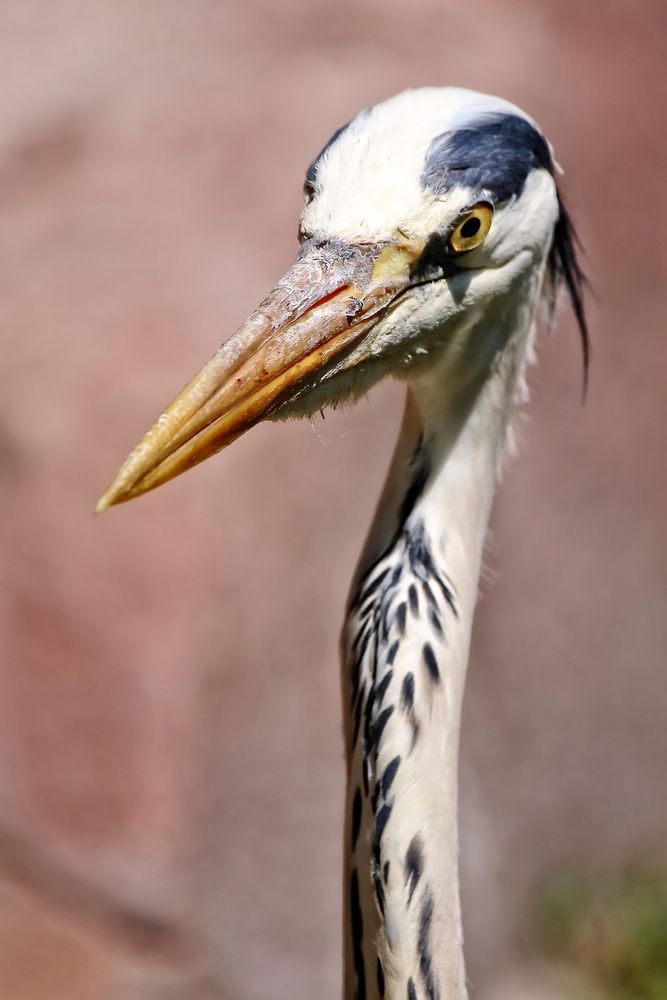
[427, 221]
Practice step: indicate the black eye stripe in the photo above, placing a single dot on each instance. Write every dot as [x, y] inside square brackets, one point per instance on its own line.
[495, 154]
[437, 260]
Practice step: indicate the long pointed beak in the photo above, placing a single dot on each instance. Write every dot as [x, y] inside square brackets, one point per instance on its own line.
[318, 312]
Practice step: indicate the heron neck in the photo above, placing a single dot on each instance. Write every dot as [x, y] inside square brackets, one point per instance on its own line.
[407, 642]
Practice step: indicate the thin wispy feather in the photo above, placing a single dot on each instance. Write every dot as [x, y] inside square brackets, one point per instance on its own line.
[565, 269]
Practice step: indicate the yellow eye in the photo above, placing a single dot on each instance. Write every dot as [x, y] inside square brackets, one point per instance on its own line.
[472, 229]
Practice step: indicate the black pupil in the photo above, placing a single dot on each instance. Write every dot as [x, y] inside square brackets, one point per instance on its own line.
[470, 228]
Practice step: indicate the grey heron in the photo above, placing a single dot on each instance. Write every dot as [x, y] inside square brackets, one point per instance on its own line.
[432, 229]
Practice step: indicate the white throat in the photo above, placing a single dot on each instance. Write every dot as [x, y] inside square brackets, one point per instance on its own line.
[406, 645]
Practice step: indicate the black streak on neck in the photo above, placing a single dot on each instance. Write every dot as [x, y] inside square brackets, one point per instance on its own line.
[414, 865]
[424, 947]
[357, 936]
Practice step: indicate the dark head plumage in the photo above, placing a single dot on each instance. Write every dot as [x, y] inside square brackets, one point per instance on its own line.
[495, 156]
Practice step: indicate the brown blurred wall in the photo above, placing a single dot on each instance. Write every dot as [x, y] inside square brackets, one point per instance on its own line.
[170, 756]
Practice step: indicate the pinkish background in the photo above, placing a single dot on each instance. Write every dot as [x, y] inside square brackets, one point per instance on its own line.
[170, 755]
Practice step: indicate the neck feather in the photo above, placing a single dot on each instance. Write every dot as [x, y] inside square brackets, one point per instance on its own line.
[405, 646]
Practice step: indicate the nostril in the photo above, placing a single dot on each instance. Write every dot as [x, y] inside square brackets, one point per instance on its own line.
[355, 306]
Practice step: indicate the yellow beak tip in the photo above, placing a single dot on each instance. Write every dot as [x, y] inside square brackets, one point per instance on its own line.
[103, 504]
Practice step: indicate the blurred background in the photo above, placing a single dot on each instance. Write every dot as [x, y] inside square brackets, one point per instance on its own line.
[171, 776]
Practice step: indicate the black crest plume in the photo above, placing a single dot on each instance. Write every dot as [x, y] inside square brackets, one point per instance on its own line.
[565, 269]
